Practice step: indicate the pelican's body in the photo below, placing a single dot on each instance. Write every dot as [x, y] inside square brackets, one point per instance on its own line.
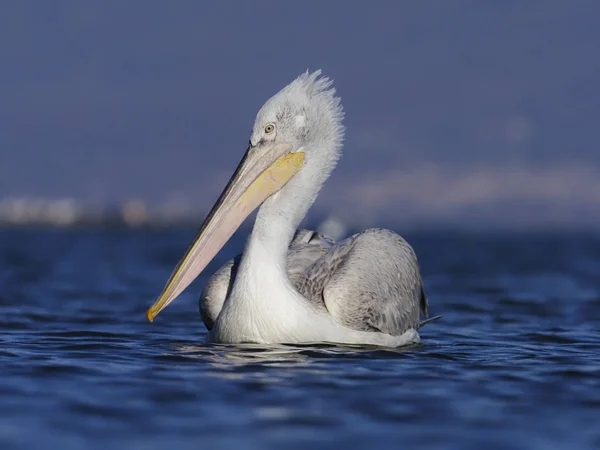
[306, 247]
[298, 287]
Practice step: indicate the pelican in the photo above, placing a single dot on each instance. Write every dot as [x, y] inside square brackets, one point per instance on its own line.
[289, 286]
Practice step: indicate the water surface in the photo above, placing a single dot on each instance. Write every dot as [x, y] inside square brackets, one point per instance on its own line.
[514, 363]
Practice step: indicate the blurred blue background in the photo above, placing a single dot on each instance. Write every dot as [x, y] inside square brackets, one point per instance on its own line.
[462, 113]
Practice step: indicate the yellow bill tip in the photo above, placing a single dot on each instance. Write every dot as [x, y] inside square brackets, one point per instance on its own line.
[150, 315]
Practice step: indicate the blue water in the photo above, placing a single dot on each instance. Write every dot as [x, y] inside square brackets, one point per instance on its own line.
[514, 363]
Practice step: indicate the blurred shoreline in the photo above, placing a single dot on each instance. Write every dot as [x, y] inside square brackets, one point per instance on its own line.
[68, 213]
[426, 196]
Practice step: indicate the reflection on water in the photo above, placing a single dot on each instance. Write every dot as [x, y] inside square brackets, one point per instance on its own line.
[243, 360]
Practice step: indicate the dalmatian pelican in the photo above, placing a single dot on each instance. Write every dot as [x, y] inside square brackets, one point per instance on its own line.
[291, 286]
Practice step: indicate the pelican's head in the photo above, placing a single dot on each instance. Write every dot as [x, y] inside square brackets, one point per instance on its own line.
[297, 133]
[304, 115]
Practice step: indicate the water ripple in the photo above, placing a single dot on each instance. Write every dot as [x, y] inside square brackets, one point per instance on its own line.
[515, 359]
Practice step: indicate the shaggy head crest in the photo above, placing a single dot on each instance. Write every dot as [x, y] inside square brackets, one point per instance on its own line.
[307, 108]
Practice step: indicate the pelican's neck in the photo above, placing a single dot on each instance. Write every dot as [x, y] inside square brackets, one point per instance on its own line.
[281, 214]
[279, 217]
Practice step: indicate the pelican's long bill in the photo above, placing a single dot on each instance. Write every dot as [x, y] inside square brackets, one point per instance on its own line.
[264, 170]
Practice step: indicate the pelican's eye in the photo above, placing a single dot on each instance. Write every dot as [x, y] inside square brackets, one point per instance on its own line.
[269, 128]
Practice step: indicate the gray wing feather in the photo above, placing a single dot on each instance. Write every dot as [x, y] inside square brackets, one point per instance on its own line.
[369, 282]
[306, 247]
